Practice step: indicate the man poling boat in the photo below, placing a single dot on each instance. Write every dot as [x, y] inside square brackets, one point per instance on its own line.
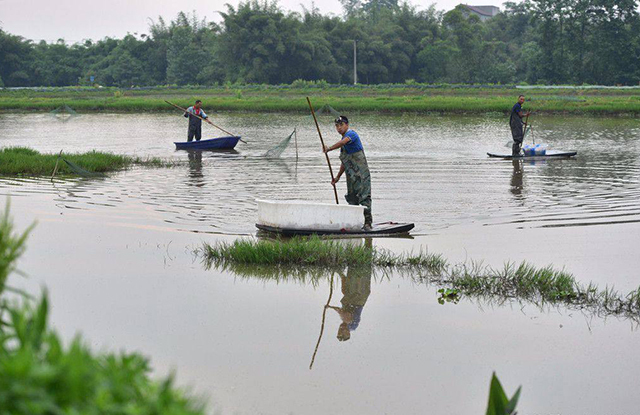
[354, 164]
[517, 125]
[298, 217]
[196, 115]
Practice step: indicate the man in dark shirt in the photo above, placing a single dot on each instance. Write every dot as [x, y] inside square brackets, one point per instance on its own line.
[517, 126]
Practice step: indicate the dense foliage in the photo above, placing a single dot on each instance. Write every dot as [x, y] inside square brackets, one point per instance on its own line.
[534, 41]
[39, 375]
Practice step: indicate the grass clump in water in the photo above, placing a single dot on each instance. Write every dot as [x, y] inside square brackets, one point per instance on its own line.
[40, 375]
[305, 259]
[296, 251]
[312, 251]
[26, 161]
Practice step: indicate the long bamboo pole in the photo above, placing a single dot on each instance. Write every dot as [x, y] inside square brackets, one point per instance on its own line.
[55, 169]
[526, 123]
[335, 191]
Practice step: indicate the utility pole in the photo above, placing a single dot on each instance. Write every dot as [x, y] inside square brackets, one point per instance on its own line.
[355, 63]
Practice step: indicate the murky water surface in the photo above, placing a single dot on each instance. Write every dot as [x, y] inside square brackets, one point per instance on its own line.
[116, 256]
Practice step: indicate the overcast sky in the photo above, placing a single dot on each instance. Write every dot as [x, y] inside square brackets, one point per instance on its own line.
[76, 20]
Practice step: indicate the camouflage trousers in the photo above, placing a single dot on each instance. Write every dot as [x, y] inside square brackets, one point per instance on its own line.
[358, 181]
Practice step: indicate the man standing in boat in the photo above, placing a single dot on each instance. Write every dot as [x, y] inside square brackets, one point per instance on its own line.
[517, 126]
[354, 163]
[195, 115]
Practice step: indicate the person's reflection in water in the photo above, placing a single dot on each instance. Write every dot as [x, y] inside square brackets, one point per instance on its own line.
[356, 287]
[195, 168]
[516, 178]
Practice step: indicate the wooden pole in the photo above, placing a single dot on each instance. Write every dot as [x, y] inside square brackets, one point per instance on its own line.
[355, 64]
[295, 138]
[335, 191]
[55, 169]
[209, 122]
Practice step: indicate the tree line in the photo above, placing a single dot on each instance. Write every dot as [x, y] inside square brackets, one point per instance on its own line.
[534, 41]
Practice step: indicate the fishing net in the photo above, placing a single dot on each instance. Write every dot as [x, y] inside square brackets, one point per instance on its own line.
[275, 152]
[279, 149]
[80, 171]
[327, 109]
[63, 113]
[528, 131]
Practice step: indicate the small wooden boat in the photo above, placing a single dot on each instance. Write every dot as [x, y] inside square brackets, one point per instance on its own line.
[378, 229]
[296, 217]
[220, 143]
[549, 154]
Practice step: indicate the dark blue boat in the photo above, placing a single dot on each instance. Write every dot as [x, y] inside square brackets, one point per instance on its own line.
[221, 143]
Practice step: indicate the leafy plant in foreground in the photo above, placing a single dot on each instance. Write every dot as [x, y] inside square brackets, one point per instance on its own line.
[39, 375]
[499, 404]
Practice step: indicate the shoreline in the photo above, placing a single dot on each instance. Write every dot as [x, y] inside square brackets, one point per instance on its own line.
[399, 99]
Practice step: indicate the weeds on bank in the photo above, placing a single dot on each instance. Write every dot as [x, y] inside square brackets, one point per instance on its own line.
[390, 98]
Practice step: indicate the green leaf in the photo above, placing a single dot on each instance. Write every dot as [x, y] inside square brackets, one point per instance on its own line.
[511, 406]
[497, 398]
[498, 402]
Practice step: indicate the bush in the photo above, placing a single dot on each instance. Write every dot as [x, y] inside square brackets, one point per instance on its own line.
[39, 375]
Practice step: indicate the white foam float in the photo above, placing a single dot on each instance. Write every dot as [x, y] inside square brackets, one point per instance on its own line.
[309, 216]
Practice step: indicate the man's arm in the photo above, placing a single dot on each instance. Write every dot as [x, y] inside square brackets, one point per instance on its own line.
[335, 179]
[337, 145]
[522, 114]
[205, 117]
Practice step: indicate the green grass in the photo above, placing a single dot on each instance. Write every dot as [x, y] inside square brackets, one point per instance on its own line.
[312, 259]
[39, 375]
[29, 162]
[313, 251]
[414, 98]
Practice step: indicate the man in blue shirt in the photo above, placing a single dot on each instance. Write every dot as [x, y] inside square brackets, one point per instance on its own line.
[517, 126]
[195, 113]
[354, 163]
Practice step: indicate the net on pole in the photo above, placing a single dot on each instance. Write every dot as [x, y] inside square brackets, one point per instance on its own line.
[63, 113]
[277, 151]
[80, 171]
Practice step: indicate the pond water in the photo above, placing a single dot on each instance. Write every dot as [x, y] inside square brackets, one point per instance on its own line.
[116, 255]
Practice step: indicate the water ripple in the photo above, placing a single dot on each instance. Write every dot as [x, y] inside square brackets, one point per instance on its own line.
[427, 170]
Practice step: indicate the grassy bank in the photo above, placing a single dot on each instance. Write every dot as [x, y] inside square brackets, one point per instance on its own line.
[41, 374]
[309, 259]
[25, 161]
[361, 98]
